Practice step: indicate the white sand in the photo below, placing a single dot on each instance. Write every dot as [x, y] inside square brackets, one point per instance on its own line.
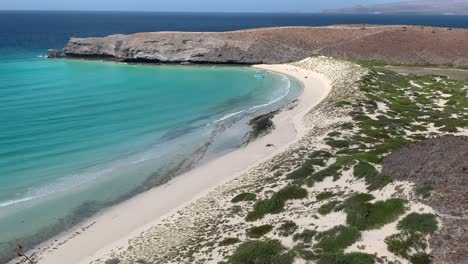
[112, 228]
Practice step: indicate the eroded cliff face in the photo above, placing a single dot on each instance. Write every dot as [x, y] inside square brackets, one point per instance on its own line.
[183, 47]
[396, 44]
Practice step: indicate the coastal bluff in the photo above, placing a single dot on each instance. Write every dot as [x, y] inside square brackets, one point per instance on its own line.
[391, 44]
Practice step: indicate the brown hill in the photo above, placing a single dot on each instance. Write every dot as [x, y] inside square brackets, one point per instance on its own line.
[394, 44]
[459, 7]
[439, 166]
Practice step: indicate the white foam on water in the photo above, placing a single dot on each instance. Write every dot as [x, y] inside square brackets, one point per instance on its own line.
[145, 159]
[228, 116]
[61, 185]
[25, 199]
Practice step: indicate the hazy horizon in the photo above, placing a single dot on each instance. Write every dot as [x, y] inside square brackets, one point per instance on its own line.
[209, 6]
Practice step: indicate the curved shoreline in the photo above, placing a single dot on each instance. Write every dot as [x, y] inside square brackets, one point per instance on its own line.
[114, 226]
[216, 140]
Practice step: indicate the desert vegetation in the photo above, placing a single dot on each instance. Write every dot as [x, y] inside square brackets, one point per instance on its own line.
[393, 110]
[326, 199]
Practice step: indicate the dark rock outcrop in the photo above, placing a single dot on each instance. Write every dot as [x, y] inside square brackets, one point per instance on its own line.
[53, 53]
[440, 166]
[394, 44]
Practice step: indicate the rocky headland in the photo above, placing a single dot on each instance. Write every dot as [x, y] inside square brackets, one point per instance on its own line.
[391, 44]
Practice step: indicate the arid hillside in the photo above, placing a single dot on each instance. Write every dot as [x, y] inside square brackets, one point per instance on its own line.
[439, 169]
[458, 7]
[393, 44]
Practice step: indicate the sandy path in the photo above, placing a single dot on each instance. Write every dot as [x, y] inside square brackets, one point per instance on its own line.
[113, 227]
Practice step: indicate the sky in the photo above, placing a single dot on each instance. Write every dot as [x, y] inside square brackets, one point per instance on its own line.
[185, 5]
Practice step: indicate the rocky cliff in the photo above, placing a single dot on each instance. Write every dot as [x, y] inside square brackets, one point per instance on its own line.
[395, 44]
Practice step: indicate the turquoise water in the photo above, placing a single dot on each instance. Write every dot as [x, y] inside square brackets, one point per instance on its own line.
[77, 136]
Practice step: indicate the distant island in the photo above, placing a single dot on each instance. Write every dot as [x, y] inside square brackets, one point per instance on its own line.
[449, 7]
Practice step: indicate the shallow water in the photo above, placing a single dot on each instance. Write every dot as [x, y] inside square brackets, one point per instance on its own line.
[77, 136]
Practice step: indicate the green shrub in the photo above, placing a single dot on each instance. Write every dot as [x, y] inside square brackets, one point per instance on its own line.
[287, 228]
[229, 241]
[391, 144]
[306, 236]
[358, 199]
[378, 182]
[327, 172]
[373, 178]
[402, 244]
[420, 258]
[327, 208]
[334, 169]
[320, 154]
[360, 117]
[304, 252]
[342, 103]
[347, 126]
[349, 258]
[449, 128]
[418, 128]
[349, 151]
[364, 170]
[317, 162]
[324, 195]
[334, 134]
[374, 133]
[370, 156]
[337, 238]
[261, 252]
[259, 231]
[276, 203]
[292, 192]
[365, 215]
[309, 182]
[301, 173]
[244, 197]
[273, 205]
[337, 143]
[414, 222]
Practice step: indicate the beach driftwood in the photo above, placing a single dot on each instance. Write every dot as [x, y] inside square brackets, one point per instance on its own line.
[20, 253]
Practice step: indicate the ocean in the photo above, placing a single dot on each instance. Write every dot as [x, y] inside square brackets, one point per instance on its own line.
[77, 136]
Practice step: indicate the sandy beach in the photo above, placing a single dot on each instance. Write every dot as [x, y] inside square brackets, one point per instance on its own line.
[112, 228]
[310, 157]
